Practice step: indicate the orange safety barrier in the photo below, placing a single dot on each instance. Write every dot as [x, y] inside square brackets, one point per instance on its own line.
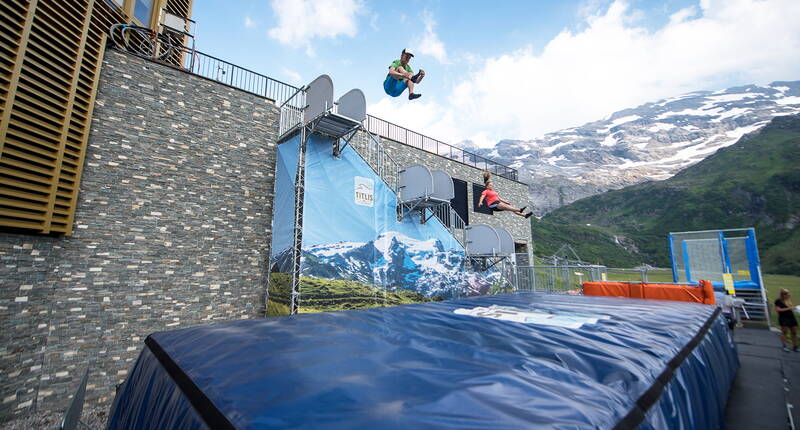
[702, 293]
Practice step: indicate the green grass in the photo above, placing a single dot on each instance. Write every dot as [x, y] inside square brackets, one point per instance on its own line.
[280, 286]
[653, 276]
[592, 244]
[277, 309]
[774, 283]
[753, 183]
[324, 295]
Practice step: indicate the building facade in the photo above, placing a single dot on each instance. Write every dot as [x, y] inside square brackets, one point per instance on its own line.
[172, 229]
[135, 197]
[52, 53]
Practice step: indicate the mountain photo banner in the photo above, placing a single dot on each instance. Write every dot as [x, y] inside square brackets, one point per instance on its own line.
[357, 254]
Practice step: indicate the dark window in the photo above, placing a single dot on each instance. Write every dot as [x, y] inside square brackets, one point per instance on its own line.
[459, 202]
[476, 196]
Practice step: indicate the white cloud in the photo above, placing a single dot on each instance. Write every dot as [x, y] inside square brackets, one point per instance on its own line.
[429, 43]
[301, 21]
[610, 64]
[292, 76]
[249, 23]
[373, 22]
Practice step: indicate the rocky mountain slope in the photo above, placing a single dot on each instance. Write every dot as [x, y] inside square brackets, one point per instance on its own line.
[753, 183]
[650, 142]
[394, 261]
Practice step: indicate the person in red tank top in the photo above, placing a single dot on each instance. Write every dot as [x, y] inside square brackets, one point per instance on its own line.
[493, 200]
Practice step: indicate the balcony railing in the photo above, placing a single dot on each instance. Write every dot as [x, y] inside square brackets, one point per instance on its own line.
[420, 141]
[290, 96]
[238, 77]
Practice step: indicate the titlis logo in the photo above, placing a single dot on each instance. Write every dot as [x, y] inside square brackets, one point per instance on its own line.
[364, 191]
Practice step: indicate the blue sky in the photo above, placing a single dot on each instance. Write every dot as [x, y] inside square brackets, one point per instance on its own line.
[509, 69]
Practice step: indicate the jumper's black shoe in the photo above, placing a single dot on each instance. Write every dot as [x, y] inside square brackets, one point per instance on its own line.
[414, 96]
[528, 215]
[522, 209]
[416, 78]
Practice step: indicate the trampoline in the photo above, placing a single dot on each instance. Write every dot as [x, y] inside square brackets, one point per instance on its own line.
[504, 361]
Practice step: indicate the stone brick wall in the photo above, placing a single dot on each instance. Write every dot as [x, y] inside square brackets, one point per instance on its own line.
[172, 229]
[512, 191]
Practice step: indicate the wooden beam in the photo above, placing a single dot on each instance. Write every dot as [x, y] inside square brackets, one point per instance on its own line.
[128, 8]
[15, 72]
[87, 19]
[85, 140]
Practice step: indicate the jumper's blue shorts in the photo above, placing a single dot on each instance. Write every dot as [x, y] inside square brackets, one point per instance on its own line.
[393, 87]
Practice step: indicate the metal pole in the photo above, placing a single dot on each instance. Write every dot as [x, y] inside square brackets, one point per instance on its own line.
[299, 192]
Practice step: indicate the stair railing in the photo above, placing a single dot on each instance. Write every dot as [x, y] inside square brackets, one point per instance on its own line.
[372, 151]
[450, 219]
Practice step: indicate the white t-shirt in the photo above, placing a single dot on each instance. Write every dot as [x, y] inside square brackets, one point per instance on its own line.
[724, 301]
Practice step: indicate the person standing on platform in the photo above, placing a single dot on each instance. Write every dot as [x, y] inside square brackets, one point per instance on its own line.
[401, 76]
[786, 319]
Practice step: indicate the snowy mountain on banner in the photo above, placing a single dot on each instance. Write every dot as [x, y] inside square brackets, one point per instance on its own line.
[650, 142]
[392, 260]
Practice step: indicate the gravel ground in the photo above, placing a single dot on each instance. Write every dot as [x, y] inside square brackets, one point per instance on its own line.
[94, 417]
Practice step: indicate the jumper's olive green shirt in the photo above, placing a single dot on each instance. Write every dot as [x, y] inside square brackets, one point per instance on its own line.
[396, 63]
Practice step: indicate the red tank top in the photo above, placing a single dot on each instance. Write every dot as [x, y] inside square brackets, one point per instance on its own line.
[490, 197]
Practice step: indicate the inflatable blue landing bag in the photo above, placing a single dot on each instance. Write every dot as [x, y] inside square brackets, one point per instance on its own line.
[507, 361]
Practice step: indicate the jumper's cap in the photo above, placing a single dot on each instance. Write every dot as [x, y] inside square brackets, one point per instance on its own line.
[408, 51]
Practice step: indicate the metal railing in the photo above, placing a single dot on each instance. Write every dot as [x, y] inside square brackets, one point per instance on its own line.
[411, 138]
[557, 279]
[291, 116]
[371, 150]
[243, 79]
[168, 49]
[290, 99]
[452, 220]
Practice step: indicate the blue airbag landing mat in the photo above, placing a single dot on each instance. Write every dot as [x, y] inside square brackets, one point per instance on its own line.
[573, 362]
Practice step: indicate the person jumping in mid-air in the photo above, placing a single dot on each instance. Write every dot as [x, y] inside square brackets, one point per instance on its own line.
[401, 76]
[495, 202]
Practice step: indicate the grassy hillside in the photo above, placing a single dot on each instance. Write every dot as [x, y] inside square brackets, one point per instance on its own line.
[593, 244]
[753, 183]
[323, 295]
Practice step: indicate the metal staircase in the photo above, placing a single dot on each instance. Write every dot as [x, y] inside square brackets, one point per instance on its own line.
[755, 304]
[369, 147]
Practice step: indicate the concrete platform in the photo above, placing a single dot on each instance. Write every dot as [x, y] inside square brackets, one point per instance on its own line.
[767, 385]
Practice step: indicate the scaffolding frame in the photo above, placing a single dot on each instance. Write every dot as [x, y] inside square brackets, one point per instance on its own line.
[327, 124]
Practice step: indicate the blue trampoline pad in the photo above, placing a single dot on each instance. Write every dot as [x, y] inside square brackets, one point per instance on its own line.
[550, 361]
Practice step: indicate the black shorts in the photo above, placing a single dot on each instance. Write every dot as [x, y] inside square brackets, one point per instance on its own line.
[789, 321]
[493, 206]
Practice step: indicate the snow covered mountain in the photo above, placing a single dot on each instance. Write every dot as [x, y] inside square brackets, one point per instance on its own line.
[650, 142]
[394, 261]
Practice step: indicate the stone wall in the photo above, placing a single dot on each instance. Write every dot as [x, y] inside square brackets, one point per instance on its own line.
[514, 192]
[172, 229]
